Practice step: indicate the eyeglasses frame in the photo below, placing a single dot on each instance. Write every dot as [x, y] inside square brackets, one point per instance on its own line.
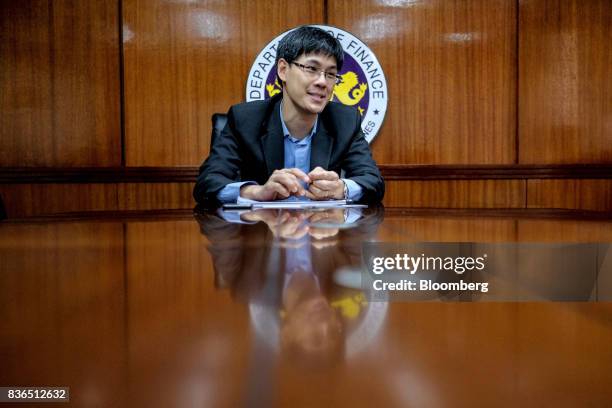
[337, 78]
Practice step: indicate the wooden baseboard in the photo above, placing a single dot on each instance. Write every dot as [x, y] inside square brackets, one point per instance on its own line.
[26, 175]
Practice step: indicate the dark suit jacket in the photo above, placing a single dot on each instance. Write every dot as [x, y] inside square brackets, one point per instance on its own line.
[251, 147]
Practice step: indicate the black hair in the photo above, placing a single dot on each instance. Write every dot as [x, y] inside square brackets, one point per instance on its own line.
[309, 40]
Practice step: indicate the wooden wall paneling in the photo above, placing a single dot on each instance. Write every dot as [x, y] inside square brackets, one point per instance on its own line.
[178, 321]
[565, 66]
[63, 302]
[451, 72]
[456, 193]
[23, 200]
[572, 194]
[59, 76]
[185, 61]
[151, 196]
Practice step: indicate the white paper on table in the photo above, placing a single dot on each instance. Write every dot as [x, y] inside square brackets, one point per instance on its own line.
[296, 203]
[299, 204]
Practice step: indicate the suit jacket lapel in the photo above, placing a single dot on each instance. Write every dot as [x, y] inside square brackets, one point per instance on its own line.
[321, 148]
[272, 141]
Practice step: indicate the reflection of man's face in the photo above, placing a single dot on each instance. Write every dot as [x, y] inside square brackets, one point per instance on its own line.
[312, 328]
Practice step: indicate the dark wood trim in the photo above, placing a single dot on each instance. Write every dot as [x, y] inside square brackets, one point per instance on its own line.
[510, 171]
[519, 213]
[106, 216]
[189, 213]
[27, 175]
[99, 175]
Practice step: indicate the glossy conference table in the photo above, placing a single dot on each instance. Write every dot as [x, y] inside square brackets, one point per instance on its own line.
[173, 309]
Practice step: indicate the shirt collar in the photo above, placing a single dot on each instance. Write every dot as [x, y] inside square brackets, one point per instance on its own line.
[286, 131]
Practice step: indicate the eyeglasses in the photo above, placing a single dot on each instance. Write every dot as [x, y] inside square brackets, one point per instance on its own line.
[315, 72]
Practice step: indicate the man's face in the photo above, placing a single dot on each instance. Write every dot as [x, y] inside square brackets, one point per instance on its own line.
[308, 92]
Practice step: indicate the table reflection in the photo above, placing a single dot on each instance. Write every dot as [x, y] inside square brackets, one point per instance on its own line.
[300, 274]
[266, 309]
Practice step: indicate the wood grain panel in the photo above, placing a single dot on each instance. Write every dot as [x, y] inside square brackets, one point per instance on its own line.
[62, 308]
[456, 194]
[24, 175]
[604, 280]
[178, 321]
[451, 71]
[447, 229]
[542, 348]
[150, 196]
[23, 200]
[573, 194]
[185, 61]
[565, 65]
[564, 231]
[525, 352]
[59, 75]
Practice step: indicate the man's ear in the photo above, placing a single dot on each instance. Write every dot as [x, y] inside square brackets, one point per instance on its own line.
[281, 69]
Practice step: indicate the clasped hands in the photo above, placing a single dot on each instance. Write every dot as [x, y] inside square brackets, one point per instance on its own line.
[321, 185]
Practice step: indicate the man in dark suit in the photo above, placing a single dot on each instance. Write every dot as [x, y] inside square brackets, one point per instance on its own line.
[297, 143]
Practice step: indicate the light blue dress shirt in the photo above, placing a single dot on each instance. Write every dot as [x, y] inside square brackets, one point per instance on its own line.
[297, 154]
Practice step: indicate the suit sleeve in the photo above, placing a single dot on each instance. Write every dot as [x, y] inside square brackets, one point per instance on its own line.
[222, 166]
[360, 167]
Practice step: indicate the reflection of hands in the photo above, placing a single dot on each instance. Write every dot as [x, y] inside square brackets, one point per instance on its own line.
[280, 185]
[328, 216]
[267, 216]
[331, 216]
[326, 185]
[294, 225]
[285, 224]
[322, 243]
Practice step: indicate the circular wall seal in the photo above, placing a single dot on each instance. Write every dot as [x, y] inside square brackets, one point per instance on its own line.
[363, 85]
